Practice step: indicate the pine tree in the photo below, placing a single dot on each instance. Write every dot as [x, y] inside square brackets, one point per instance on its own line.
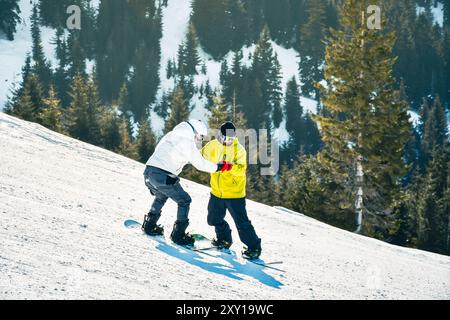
[446, 66]
[144, 81]
[51, 116]
[76, 55]
[424, 81]
[240, 121]
[435, 130]
[219, 113]
[312, 189]
[23, 107]
[126, 147]
[162, 108]
[188, 56]
[256, 21]
[179, 110]
[211, 19]
[446, 4]
[402, 20]
[239, 25]
[35, 90]
[28, 101]
[432, 204]
[85, 111]
[124, 101]
[77, 124]
[253, 103]
[18, 90]
[109, 128]
[9, 18]
[294, 118]
[312, 48]
[170, 69]
[145, 141]
[88, 27]
[112, 60]
[41, 66]
[277, 14]
[53, 13]
[226, 81]
[62, 78]
[182, 60]
[136, 26]
[231, 78]
[267, 72]
[367, 125]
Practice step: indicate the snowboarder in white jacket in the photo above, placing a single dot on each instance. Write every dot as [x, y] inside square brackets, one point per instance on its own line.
[175, 150]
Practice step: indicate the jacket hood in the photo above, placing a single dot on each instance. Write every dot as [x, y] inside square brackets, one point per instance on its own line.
[184, 129]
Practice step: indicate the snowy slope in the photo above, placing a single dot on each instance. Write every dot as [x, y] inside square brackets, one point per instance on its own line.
[62, 208]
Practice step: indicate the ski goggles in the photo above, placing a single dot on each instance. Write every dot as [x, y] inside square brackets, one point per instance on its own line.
[226, 139]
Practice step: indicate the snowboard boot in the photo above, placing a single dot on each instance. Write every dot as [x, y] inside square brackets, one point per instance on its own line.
[251, 254]
[221, 244]
[150, 227]
[179, 235]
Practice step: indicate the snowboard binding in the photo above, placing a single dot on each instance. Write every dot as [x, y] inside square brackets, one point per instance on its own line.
[150, 227]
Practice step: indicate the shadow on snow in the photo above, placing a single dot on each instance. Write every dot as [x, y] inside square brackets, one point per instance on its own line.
[232, 268]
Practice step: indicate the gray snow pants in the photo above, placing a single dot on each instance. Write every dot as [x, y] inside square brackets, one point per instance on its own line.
[164, 185]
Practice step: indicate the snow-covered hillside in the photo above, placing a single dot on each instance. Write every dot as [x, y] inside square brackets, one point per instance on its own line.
[62, 208]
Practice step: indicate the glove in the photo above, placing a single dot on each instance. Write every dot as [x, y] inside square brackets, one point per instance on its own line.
[224, 166]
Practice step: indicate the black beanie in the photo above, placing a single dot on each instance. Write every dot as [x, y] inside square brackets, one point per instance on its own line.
[228, 129]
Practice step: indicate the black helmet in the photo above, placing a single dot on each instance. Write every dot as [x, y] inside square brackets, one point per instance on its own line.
[228, 130]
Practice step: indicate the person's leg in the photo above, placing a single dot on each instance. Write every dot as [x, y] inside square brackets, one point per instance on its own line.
[150, 220]
[216, 218]
[181, 197]
[247, 232]
[175, 191]
[158, 203]
[165, 185]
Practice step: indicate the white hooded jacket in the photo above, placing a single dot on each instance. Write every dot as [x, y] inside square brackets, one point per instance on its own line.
[176, 149]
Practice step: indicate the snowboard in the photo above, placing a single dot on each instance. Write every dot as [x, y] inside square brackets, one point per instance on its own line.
[201, 242]
[203, 245]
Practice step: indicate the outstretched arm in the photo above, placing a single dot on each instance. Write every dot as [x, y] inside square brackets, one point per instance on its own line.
[200, 163]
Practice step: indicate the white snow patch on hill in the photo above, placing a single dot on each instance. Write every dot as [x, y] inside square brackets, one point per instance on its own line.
[175, 24]
[62, 208]
[414, 118]
[13, 53]
[437, 12]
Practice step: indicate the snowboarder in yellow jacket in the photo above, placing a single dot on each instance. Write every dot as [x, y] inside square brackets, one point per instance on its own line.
[228, 192]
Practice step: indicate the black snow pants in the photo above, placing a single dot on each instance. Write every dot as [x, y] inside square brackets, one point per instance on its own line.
[216, 217]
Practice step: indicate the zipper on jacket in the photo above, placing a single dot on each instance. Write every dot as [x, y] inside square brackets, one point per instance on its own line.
[220, 173]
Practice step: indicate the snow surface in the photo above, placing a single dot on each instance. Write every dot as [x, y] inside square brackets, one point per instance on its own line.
[62, 208]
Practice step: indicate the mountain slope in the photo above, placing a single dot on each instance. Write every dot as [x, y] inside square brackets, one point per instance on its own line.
[62, 208]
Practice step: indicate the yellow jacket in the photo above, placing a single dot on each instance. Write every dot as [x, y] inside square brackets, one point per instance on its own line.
[231, 184]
